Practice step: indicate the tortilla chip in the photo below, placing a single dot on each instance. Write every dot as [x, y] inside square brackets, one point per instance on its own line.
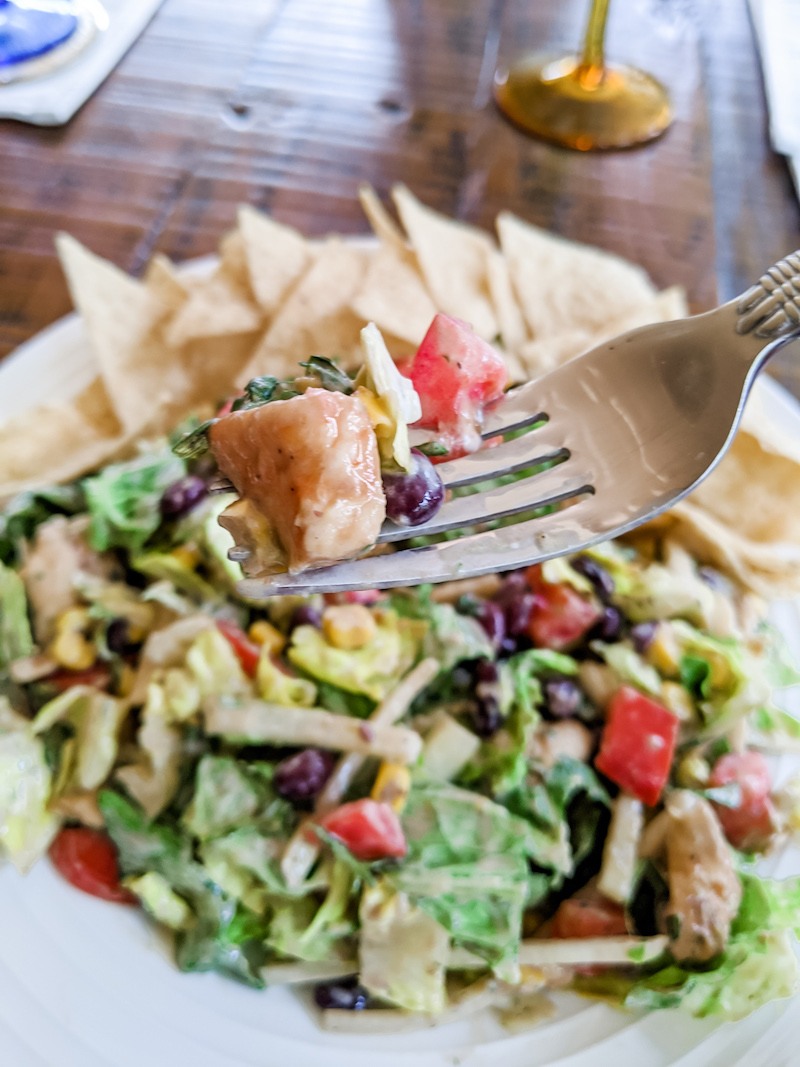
[543, 355]
[770, 570]
[219, 305]
[316, 319]
[57, 442]
[121, 317]
[214, 365]
[513, 333]
[562, 286]
[276, 256]
[394, 297]
[383, 225]
[164, 282]
[453, 259]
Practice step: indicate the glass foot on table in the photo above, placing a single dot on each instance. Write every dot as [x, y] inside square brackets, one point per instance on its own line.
[561, 99]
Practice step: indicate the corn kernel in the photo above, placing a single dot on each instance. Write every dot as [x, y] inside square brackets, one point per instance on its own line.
[70, 649]
[187, 555]
[664, 653]
[692, 772]
[264, 633]
[73, 620]
[392, 785]
[377, 412]
[348, 626]
[125, 681]
[678, 700]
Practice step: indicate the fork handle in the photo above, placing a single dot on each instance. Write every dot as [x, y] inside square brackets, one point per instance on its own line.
[770, 310]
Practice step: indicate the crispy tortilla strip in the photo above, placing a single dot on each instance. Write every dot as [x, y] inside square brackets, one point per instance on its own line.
[561, 284]
[316, 317]
[393, 295]
[276, 256]
[453, 259]
[121, 317]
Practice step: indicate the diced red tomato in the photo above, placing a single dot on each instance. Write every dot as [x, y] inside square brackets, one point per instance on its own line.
[561, 615]
[98, 676]
[638, 744]
[591, 917]
[456, 374]
[247, 651]
[227, 407]
[369, 828]
[749, 825]
[355, 596]
[88, 860]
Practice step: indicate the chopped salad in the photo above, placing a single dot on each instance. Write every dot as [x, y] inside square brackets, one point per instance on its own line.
[419, 801]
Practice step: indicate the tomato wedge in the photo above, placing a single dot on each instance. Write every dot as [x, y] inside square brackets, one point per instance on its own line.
[247, 651]
[88, 860]
[590, 917]
[751, 823]
[561, 615]
[98, 676]
[638, 744]
[370, 829]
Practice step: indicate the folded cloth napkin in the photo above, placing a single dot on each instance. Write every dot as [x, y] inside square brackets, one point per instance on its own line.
[52, 99]
[777, 25]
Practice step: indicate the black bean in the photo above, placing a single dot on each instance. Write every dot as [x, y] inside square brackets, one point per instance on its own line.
[345, 994]
[180, 497]
[305, 615]
[643, 634]
[486, 717]
[302, 776]
[413, 498]
[518, 613]
[486, 670]
[610, 626]
[493, 620]
[563, 697]
[117, 636]
[599, 577]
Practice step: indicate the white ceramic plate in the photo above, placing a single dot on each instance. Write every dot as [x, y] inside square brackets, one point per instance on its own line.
[89, 984]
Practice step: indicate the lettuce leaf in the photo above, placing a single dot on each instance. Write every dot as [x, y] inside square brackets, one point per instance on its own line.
[230, 794]
[26, 825]
[22, 515]
[16, 640]
[395, 394]
[124, 499]
[308, 931]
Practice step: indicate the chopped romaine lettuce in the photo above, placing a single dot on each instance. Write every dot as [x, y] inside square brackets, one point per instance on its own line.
[215, 666]
[26, 825]
[402, 951]
[25, 512]
[626, 662]
[277, 687]
[308, 931]
[124, 499]
[374, 669]
[16, 639]
[230, 794]
[166, 567]
[158, 898]
[97, 720]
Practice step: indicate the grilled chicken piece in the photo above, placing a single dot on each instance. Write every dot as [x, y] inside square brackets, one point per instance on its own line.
[54, 560]
[705, 891]
[310, 469]
[557, 739]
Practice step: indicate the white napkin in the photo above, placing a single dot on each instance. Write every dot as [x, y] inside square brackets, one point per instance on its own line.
[54, 98]
[777, 24]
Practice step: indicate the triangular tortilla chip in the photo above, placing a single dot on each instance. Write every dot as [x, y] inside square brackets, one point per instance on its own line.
[393, 295]
[57, 442]
[276, 256]
[453, 260]
[316, 318]
[216, 307]
[513, 333]
[121, 316]
[383, 225]
[164, 282]
[561, 285]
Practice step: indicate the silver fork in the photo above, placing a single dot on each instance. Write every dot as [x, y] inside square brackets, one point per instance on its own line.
[632, 426]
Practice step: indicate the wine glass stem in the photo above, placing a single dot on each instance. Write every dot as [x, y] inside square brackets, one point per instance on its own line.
[592, 59]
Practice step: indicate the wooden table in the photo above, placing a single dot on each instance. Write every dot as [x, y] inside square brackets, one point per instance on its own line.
[289, 104]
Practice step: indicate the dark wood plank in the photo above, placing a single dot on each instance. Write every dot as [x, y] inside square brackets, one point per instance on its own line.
[289, 104]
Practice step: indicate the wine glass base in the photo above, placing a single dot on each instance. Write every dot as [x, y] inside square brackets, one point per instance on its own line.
[560, 100]
[54, 36]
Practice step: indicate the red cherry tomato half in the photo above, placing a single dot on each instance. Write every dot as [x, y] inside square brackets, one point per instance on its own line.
[370, 829]
[750, 824]
[591, 917]
[247, 651]
[561, 615]
[88, 860]
[638, 744]
[98, 676]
